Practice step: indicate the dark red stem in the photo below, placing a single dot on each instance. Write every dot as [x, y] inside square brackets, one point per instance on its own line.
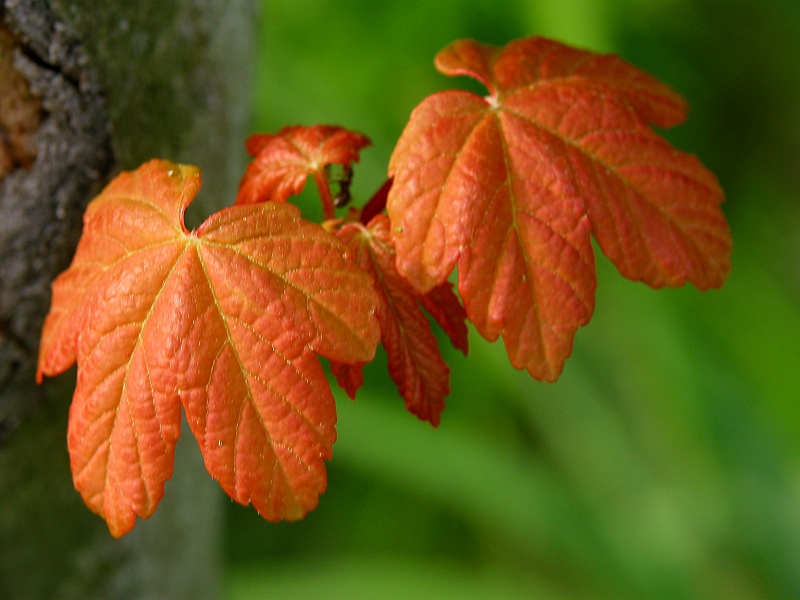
[377, 203]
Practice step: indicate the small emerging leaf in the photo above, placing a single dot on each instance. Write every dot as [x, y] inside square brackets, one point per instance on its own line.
[284, 161]
[510, 187]
[226, 321]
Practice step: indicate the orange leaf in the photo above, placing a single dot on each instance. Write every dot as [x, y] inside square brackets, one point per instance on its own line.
[226, 320]
[415, 362]
[509, 187]
[284, 161]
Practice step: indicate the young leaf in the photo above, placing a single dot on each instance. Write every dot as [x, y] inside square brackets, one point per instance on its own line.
[284, 161]
[509, 188]
[415, 362]
[225, 320]
[443, 305]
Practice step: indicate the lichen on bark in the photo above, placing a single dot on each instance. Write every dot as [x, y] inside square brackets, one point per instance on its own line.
[20, 110]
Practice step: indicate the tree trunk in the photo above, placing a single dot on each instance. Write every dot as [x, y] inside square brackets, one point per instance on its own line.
[88, 88]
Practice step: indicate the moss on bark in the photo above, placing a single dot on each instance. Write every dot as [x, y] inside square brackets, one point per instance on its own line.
[120, 82]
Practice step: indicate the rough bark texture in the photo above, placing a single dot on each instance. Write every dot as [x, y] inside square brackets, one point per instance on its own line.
[109, 85]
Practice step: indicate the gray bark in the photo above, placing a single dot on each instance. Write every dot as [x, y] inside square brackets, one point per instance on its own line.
[120, 82]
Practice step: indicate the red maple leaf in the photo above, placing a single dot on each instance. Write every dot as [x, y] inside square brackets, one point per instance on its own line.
[509, 187]
[283, 162]
[415, 361]
[226, 320]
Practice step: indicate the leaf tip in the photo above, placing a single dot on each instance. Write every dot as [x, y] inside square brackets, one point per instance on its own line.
[469, 58]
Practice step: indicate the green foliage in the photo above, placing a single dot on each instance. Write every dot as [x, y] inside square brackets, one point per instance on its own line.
[665, 461]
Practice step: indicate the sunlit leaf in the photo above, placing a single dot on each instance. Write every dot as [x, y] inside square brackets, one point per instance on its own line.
[226, 320]
[510, 187]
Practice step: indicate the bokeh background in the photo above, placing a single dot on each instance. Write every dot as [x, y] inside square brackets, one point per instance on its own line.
[665, 463]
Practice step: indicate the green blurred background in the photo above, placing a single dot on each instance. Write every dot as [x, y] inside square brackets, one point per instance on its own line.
[665, 463]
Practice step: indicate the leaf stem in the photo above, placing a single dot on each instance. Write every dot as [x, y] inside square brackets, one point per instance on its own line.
[325, 194]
